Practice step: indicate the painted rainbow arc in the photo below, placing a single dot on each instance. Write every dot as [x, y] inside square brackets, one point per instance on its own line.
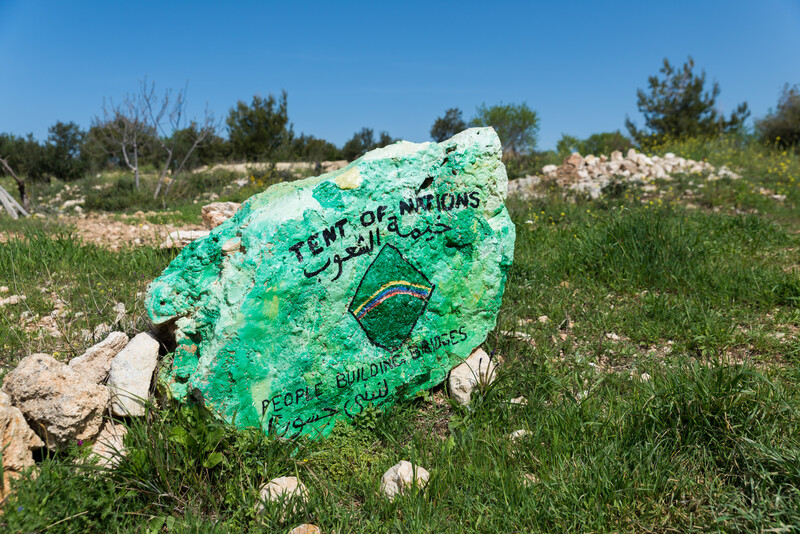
[392, 289]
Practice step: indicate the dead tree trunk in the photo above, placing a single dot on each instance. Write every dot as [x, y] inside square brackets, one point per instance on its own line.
[9, 201]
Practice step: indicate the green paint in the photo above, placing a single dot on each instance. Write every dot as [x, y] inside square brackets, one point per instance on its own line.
[358, 287]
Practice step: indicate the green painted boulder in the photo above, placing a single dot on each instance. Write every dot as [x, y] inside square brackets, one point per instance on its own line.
[360, 287]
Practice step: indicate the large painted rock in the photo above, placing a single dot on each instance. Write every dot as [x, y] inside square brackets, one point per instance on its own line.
[360, 287]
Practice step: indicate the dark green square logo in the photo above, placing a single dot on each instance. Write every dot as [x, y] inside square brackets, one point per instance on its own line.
[390, 299]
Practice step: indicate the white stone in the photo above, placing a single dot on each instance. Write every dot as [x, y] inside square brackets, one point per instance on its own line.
[616, 156]
[131, 373]
[522, 401]
[476, 370]
[232, 245]
[13, 299]
[17, 441]
[60, 404]
[217, 213]
[519, 434]
[109, 446]
[306, 528]
[574, 159]
[549, 170]
[286, 489]
[94, 364]
[402, 476]
[181, 238]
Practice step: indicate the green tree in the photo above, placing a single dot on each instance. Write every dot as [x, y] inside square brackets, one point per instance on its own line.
[363, 141]
[26, 156]
[517, 125]
[64, 149]
[214, 150]
[679, 105]
[782, 126]
[447, 126]
[599, 143]
[182, 142]
[309, 148]
[260, 130]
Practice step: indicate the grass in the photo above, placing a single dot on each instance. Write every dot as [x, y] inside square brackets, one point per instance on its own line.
[662, 385]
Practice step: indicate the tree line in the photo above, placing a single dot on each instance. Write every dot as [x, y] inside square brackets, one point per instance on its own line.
[150, 129]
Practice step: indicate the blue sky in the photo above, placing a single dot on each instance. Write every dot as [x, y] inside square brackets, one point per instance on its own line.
[389, 66]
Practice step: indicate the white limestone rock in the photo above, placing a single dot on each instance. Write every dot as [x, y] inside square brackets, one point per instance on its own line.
[109, 448]
[17, 441]
[94, 364]
[61, 405]
[401, 477]
[287, 489]
[476, 370]
[131, 373]
[519, 434]
[181, 238]
[217, 213]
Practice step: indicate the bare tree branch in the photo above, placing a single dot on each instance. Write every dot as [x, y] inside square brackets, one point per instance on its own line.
[123, 129]
[166, 117]
[20, 188]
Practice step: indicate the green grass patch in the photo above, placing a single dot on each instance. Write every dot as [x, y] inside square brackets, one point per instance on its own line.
[654, 336]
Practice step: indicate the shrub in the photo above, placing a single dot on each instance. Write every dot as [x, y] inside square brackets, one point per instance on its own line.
[782, 126]
[679, 105]
[600, 143]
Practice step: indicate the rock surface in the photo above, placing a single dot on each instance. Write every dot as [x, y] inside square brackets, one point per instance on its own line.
[94, 364]
[519, 434]
[401, 477]
[61, 405]
[591, 174]
[217, 213]
[286, 489]
[359, 287]
[181, 238]
[17, 441]
[477, 370]
[109, 448]
[131, 373]
[13, 299]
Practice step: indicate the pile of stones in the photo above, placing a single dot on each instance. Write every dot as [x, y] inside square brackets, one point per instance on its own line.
[45, 402]
[591, 174]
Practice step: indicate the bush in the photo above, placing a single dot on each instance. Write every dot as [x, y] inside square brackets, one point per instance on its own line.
[363, 141]
[679, 105]
[782, 126]
[120, 196]
[600, 143]
[447, 126]
[258, 131]
[517, 125]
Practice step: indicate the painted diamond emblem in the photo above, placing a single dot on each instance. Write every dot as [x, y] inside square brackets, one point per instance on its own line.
[390, 299]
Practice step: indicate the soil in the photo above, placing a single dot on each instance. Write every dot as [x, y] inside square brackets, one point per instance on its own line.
[133, 231]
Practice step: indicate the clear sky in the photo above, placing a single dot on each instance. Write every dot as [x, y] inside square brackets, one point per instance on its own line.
[391, 66]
